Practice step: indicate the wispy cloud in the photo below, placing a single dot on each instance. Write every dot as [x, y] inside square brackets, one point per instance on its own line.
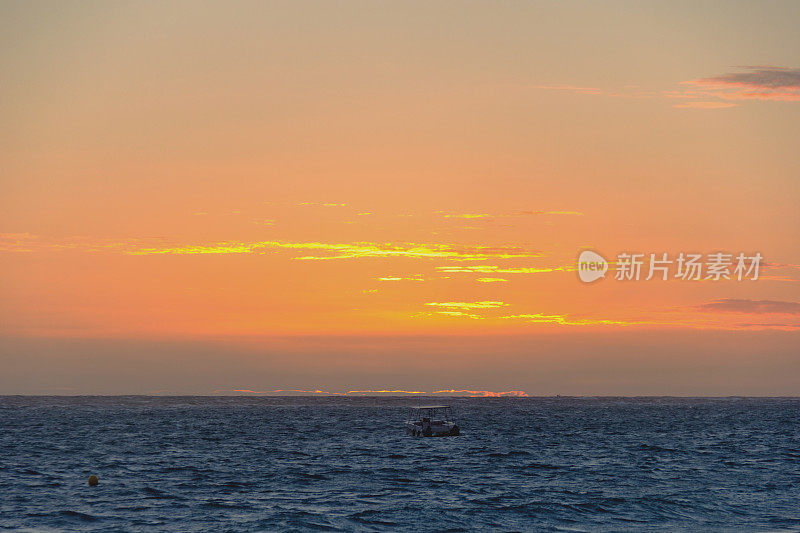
[468, 215]
[494, 269]
[754, 83]
[320, 204]
[24, 242]
[470, 310]
[715, 92]
[737, 305]
[691, 322]
[461, 314]
[484, 393]
[468, 305]
[465, 309]
[351, 250]
[565, 320]
[757, 82]
[785, 326]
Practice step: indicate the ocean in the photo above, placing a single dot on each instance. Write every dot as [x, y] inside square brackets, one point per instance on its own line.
[345, 464]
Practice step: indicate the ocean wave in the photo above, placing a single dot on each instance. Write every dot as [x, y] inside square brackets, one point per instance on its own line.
[200, 464]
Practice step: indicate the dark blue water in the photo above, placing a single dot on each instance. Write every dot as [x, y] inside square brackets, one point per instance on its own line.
[238, 464]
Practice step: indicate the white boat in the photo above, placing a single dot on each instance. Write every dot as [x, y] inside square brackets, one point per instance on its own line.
[432, 421]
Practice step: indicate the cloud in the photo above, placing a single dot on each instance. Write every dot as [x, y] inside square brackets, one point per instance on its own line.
[735, 305]
[469, 215]
[460, 314]
[354, 250]
[468, 309]
[314, 251]
[484, 393]
[769, 325]
[715, 92]
[490, 280]
[568, 320]
[468, 305]
[494, 269]
[754, 83]
[764, 77]
[564, 320]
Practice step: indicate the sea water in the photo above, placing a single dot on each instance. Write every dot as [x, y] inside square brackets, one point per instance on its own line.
[342, 464]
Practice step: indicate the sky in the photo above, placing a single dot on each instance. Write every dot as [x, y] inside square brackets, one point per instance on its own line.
[356, 197]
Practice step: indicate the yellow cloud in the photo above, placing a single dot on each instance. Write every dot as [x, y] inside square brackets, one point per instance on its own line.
[351, 250]
[21, 242]
[484, 393]
[468, 305]
[490, 280]
[494, 269]
[541, 318]
[460, 314]
[318, 204]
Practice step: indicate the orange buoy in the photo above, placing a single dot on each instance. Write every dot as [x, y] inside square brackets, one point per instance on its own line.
[92, 480]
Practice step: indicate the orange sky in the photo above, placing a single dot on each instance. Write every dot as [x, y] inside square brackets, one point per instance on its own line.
[290, 183]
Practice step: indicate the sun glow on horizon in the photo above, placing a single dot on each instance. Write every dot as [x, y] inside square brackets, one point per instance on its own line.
[449, 392]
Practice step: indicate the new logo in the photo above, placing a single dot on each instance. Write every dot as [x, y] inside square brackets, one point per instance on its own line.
[591, 266]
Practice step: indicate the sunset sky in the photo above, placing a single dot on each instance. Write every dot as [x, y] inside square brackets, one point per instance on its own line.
[214, 198]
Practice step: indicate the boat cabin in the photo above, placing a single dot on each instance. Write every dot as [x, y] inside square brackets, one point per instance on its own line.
[432, 421]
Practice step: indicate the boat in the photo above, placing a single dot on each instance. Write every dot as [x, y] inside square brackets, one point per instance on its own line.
[432, 421]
